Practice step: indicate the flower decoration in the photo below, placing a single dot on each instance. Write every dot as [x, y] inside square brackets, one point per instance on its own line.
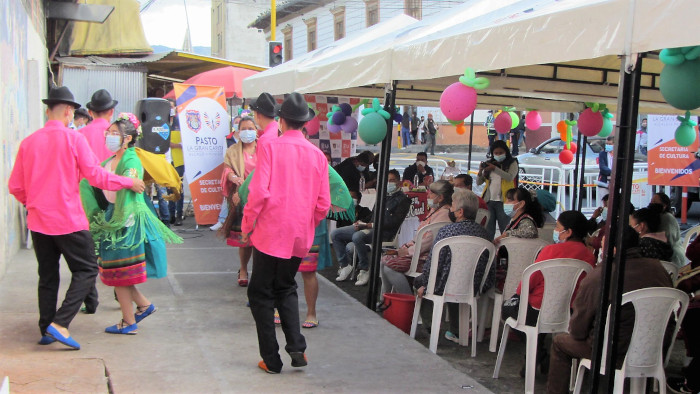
[134, 121]
[376, 107]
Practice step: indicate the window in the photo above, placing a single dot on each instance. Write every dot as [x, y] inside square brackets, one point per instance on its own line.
[372, 12]
[311, 43]
[338, 22]
[287, 31]
[413, 8]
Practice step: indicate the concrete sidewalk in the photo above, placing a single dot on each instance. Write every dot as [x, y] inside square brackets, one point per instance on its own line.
[202, 339]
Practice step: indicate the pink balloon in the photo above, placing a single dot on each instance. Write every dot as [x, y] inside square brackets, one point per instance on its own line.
[458, 101]
[313, 126]
[333, 128]
[533, 120]
[503, 122]
[590, 123]
[350, 125]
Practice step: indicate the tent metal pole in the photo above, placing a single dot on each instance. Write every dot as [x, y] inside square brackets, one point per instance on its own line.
[577, 171]
[471, 139]
[382, 173]
[582, 178]
[619, 206]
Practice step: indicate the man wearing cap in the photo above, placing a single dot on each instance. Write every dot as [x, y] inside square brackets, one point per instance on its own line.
[49, 165]
[264, 108]
[288, 196]
[101, 107]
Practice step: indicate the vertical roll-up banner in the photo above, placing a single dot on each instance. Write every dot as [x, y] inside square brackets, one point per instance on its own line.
[669, 163]
[204, 124]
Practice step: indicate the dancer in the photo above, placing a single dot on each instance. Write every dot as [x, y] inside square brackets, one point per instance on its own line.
[282, 236]
[129, 235]
[49, 164]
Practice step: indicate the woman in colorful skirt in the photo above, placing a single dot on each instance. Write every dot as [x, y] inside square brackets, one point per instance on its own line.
[130, 238]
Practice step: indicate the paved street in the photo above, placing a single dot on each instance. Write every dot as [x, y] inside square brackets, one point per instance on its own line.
[202, 339]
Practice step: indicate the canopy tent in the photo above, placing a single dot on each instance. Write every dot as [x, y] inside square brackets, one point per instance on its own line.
[579, 61]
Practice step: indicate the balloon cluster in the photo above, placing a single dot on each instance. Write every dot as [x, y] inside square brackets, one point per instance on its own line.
[506, 120]
[679, 83]
[458, 100]
[685, 133]
[564, 128]
[373, 127]
[340, 118]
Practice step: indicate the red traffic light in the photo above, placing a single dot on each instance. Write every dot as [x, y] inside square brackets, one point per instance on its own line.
[277, 49]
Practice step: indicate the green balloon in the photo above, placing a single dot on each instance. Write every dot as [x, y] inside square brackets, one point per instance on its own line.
[679, 84]
[516, 119]
[607, 128]
[685, 135]
[454, 122]
[372, 128]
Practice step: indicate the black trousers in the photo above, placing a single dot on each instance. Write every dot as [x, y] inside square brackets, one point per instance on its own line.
[272, 285]
[78, 250]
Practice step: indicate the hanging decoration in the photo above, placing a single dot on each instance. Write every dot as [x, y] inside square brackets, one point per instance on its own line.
[533, 120]
[458, 100]
[503, 122]
[566, 156]
[573, 148]
[372, 128]
[590, 121]
[686, 133]
[461, 128]
[514, 117]
[607, 128]
[680, 77]
[340, 118]
[313, 126]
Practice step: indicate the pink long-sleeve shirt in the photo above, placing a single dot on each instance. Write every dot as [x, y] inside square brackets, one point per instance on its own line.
[95, 135]
[270, 133]
[288, 196]
[50, 163]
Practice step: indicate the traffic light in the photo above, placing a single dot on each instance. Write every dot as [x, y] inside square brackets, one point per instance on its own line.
[275, 53]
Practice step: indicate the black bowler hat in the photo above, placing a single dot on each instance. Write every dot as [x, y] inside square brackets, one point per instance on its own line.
[294, 108]
[265, 105]
[61, 95]
[101, 101]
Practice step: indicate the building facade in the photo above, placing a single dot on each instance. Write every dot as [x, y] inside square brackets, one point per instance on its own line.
[231, 38]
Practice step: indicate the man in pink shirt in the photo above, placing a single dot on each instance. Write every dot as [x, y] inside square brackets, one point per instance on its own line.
[264, 108]
[49, 164]
[101, 108]
[288, 196]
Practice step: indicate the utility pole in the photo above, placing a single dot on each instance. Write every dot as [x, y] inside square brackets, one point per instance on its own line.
[273, 20]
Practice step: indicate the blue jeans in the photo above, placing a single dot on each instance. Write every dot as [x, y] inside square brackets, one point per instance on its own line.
[163, 209]
[405, 137]
[223, 213]
[497, 215]
[343, 236]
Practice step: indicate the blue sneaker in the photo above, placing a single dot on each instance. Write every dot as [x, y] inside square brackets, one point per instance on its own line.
[122, 328]
[69, 341]
[451, 337]
[142, 315]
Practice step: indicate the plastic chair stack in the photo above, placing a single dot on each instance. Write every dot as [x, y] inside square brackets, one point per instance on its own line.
[459, 287]
[560, 278]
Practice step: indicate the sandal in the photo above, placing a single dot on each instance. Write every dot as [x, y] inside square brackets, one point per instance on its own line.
[277, 318]
[242, 282]
[310, 323]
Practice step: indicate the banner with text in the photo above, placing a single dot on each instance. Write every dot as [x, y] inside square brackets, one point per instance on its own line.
[669, 163]
[204, 124]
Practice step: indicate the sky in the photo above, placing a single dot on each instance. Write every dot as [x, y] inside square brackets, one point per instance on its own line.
[164, 22]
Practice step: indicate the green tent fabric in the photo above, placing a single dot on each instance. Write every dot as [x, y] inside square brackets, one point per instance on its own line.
[342, 206]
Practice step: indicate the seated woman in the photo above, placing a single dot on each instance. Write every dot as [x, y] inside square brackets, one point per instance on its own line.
[525, 213]
[462, 214]
[395, 265]
[652, 241]
[569, 242]
[669, 225]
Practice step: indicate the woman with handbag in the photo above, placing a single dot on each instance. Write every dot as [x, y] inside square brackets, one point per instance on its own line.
[239, 161]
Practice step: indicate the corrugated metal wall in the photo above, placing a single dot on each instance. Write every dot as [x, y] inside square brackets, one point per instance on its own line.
[126, 85]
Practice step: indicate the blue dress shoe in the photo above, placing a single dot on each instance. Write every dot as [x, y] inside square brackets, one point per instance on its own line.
[140, 316]
[70, 342]
[46, 340]
[125, 329]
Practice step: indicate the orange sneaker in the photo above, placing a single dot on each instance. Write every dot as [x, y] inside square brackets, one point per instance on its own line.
[264, 367]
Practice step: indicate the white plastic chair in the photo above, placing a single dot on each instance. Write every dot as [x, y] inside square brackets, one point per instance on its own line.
[652, 309]
[5, 387]
[434, 228]
[521, 254]
[689, 236]
[482, 216]
[671, 268]
[560, 278]
[545, 233]
[459, 287]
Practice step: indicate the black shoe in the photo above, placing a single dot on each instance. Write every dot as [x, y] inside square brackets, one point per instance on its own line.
[89, 309]
[178, 222]
[298, 359]
[172, 220]
[677, 386]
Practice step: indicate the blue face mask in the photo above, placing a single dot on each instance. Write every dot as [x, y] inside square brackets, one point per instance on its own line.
[555, 236]
[361, 168]
[608, 148]
[499, 158]
[113, 143]
[604, 214]
[508, 209]
[390, 187]
[248, 136]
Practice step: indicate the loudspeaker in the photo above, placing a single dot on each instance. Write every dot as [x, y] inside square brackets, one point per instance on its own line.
[154, 114]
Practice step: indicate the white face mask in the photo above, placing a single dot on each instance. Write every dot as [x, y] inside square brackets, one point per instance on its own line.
[361, 168]
[508, 209]
[420, 163]
[113, 143]
[354, 202]
[390, 187]
[248, 136]
[499, 158]
[432, 203]
[604, 214]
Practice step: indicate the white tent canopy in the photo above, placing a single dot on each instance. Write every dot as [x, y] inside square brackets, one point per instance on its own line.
[544, 54]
